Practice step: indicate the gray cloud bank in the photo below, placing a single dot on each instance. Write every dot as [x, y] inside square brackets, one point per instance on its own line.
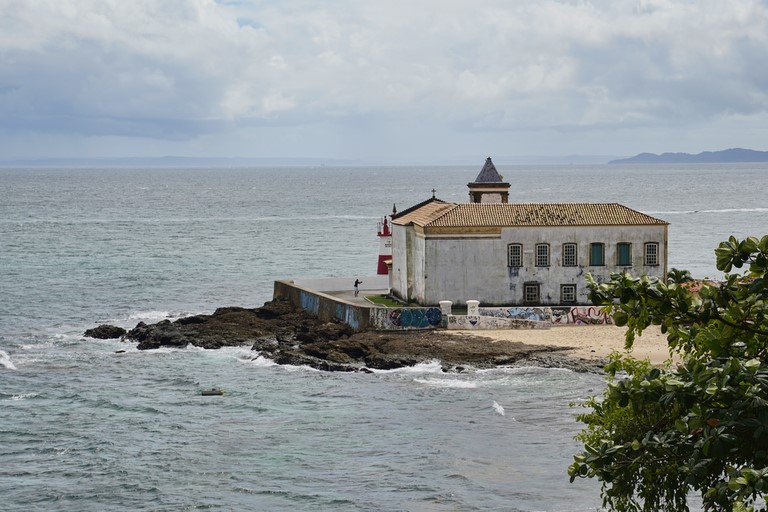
[346, 78]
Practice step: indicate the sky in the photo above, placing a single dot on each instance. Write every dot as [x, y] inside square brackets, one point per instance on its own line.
[389, 80]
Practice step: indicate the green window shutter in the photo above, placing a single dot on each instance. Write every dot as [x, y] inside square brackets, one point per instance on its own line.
[597, 256]
[625, 254]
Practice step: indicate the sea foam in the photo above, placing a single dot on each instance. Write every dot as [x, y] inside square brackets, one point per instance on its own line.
[448, 383]
[434, 366]
[5, 361]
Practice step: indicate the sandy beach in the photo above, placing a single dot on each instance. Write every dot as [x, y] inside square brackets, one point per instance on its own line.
[588, 341]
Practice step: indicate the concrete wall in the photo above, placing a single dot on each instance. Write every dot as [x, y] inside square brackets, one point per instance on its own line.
[390, 319]
[461, 268]
[330, 308]
[556, 315]
[398, 280]
[408, 264]
[416, 266]
[326, 307]
[472, 322]
[580, 315]
[519, 313]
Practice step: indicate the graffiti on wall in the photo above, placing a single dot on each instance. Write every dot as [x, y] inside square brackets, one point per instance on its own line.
[477, 322]
[467, 322]
[580, 315]
[347, 314]
[537, 314]
[309, 302]
[415, 318]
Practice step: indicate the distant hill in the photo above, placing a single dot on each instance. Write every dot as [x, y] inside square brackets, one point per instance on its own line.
[733, 155]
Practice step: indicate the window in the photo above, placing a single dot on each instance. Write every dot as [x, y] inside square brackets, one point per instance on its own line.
[596, 254]
[570, 256]
[567, 293]
[624, 253]
[652, 254]
[531, 293]
[542, 255]
[515, 255]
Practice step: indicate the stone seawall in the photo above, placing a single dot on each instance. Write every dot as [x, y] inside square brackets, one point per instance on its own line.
[361, 317]
[327, 307]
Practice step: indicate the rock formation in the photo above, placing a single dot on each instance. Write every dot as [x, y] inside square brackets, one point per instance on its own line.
[290, 335]
[105, 332]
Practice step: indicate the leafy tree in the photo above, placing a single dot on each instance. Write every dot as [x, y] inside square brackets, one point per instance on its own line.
[656, 435]
[679, 276]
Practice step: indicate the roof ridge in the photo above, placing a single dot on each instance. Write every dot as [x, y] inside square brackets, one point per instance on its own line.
[432, 199]
[540, 214]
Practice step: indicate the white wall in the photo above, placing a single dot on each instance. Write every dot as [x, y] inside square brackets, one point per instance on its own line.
[399, 278]
[417, 284]
[459, 269]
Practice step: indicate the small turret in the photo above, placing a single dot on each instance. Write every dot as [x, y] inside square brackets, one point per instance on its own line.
[489, 186]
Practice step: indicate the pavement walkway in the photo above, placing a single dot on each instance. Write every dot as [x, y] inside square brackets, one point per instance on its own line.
[360, 300]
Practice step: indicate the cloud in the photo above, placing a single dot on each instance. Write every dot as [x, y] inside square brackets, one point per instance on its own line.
[184, 69]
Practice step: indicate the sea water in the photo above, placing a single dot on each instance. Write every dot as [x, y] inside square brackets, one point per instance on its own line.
[98, 425]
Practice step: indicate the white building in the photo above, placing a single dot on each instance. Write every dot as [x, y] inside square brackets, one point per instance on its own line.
[518, 254]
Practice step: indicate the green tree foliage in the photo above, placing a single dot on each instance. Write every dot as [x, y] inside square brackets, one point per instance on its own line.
[679, 276]
[656, 435]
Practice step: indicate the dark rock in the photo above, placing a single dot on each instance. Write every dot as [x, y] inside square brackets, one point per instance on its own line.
[197, 319]
[228, 326]
[290, 335]
[105, 332]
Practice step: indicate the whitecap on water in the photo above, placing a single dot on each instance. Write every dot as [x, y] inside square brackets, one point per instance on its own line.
[434, 366]
[22, 397]
[149, 315]
[5, 361]
[259, 360]
[447, 383]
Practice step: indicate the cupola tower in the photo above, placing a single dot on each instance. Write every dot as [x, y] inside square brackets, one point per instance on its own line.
[489, 186]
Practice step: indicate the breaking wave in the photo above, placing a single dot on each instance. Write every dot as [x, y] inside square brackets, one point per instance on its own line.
[5, 361]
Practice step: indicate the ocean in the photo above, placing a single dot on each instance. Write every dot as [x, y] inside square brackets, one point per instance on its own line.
[88, 425]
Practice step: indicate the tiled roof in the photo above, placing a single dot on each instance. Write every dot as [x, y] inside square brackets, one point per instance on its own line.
[531, 214]
[422, 213]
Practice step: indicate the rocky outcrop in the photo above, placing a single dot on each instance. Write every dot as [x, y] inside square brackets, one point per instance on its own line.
[396, 349]
[105, 332]
[230, 326]
[289, 335]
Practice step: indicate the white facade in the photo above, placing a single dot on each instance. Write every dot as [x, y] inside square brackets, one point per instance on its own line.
[518, 254]
[428, 268]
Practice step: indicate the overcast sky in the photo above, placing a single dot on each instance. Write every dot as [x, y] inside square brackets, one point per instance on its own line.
[357, 79]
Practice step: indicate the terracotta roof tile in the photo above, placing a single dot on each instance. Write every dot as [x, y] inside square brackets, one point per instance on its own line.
[531, 214]
[422, 215]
